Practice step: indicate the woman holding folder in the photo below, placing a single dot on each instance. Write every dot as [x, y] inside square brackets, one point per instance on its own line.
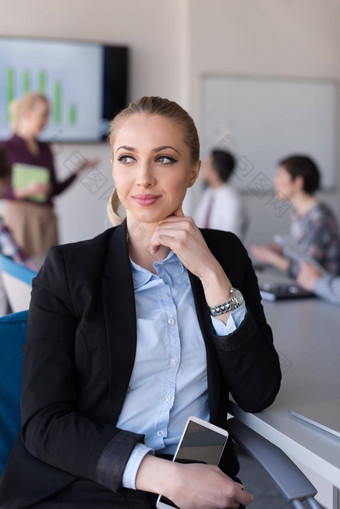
[33, 185]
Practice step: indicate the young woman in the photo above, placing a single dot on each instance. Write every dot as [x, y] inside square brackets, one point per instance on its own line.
[29, 212]
[123, 346]
[314, 229]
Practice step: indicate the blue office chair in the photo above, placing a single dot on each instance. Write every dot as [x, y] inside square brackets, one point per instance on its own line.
[295, 487]
[12, 338]
[17, 282]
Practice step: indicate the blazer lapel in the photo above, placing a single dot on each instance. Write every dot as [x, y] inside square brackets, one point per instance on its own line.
[120, 317]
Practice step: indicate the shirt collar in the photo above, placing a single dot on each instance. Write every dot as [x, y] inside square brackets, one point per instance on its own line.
[141, 276]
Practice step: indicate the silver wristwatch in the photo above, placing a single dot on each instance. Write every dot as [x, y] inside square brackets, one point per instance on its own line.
[234, 302]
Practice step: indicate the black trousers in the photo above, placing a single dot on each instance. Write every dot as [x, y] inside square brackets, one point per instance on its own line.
[84, 494]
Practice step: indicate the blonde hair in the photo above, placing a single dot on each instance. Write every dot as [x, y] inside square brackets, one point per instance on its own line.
[153, 106]
[25, 103]
[112, 209]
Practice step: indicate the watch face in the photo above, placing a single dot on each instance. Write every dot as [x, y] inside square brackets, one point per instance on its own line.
[237, 295]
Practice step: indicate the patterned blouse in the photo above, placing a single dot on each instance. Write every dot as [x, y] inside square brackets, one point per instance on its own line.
[316, 234]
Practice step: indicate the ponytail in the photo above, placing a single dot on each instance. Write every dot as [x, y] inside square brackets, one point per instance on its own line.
[112, 209]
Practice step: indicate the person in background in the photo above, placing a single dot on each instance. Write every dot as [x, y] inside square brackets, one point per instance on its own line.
[313, 228]
[132, 332]
[8, 245]
[326, 286]
[221, 207]
[29, 212]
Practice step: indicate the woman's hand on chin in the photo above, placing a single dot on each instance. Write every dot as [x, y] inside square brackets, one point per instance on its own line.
[180, 234]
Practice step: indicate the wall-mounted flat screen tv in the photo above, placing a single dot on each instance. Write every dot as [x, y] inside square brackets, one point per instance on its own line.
[86, 84]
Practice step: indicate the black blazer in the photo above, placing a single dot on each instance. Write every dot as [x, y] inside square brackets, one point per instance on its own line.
[79, 356]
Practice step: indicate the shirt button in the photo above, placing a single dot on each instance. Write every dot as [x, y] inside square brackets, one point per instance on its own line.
[165, 296]
[168, 398]
[172, 362]
[160, 433]
[171, 321]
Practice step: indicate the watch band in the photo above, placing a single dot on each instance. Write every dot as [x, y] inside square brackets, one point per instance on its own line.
[230, 305]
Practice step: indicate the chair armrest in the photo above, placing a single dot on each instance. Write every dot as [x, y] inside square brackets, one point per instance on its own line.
[293, 484]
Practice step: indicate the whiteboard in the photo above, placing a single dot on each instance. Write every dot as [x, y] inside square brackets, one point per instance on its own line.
[263, 120]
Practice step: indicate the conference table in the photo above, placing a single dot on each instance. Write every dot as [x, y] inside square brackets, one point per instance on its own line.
[307, 338]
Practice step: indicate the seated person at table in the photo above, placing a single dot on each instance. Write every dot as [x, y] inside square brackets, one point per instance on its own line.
[324, 285]
[127, 337]
[313, 228]
[220, 207]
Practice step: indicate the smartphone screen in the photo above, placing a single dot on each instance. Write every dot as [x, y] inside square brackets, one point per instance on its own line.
[201, 443]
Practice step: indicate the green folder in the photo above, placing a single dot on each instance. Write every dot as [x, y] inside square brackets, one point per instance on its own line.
[25, 174]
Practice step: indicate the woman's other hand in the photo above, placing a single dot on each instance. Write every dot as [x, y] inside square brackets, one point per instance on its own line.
[191, 486]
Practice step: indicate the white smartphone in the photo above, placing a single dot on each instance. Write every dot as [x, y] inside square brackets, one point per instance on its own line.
[201, 442]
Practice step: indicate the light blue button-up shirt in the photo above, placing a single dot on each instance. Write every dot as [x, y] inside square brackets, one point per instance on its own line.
[169, 378]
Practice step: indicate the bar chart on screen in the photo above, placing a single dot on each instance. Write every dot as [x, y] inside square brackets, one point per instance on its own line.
[69, 75]
[27, 81]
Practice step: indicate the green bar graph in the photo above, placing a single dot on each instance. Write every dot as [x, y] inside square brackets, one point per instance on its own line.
[26, 82]
[10, 88]
[72, 115]
[22, 79]
[42, 82]
[57, 102]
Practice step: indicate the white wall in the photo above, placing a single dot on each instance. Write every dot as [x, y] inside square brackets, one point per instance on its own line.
[288, 38]
[173, 43]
